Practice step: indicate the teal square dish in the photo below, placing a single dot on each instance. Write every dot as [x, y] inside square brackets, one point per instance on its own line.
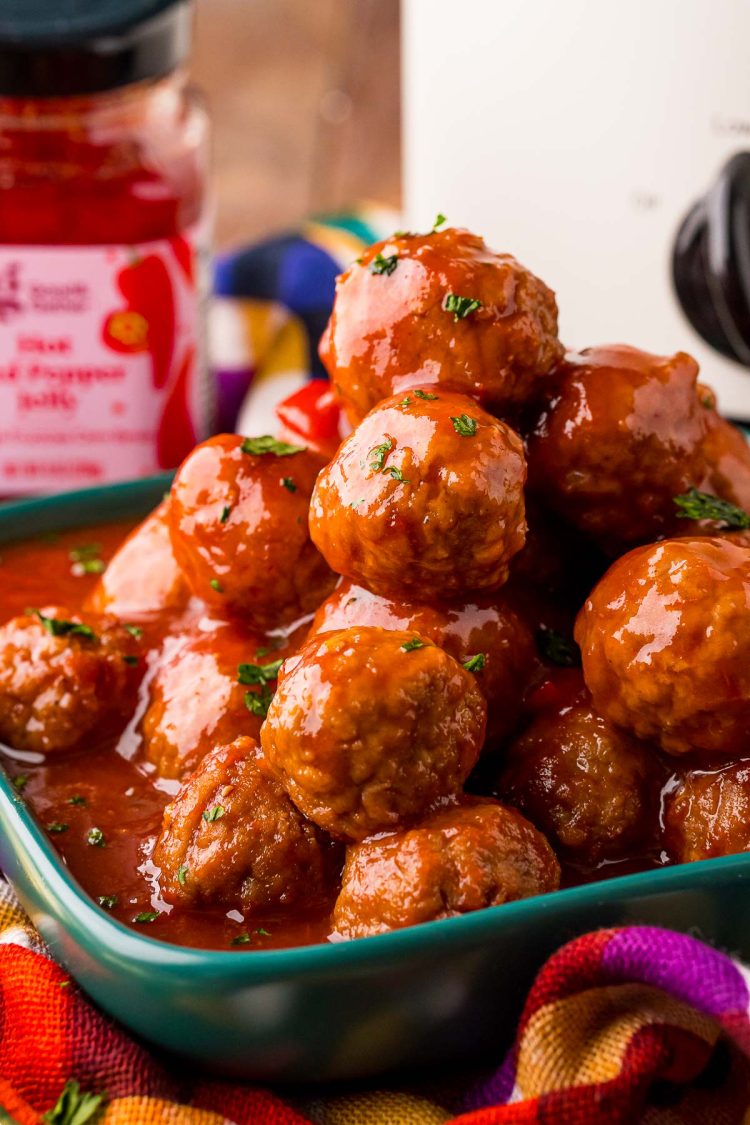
[440, 992]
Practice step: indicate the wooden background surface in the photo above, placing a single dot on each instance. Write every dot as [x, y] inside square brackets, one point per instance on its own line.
[304, 96]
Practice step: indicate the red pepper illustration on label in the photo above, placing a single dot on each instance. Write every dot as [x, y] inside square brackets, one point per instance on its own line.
[148, 323]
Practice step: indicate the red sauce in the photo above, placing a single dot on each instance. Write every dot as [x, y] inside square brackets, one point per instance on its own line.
[122, 795]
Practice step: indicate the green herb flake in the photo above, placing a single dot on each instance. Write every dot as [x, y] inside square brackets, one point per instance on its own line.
[426, 396]
[440, 221]
[147, 916]
[258, 673]
[381, 265]
[696, 505]
[262, 933]
[59, 628]
[21, 780]
[65, 984]
[379, 454]
[95, 837]
[289, 484]
[216, 585]
[87, 551]
[182, 872]
[76, 799]
[241, 939]
[396, 474]
[461, 307]
[268, 444]
[414, 643]
[225, 513]
[134, 630]
[464, 425]
[558, 649]
[476, 663]
[109, 902]
[73, 1107]
[56, 827]
[405, 401]
[259, 702]
[214, 813]
[89, 566]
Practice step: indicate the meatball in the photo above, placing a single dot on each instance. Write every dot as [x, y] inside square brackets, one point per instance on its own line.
[591, 788]
[726, 455]
[665, 644]
[143, 577]
[442, 310]
[424, 500]
[197, 699]
[707, 814]
[487, 634]
[371, 727]
[460, 859]
[64, 676]
[238, 520]
[231, 835]
[619, 438]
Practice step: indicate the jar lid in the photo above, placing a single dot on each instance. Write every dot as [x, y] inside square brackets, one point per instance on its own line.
[53, 48]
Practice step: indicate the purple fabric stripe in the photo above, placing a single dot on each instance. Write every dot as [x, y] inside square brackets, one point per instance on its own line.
[681, 965]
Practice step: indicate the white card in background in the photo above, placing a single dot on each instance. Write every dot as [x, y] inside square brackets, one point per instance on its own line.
[577, 134]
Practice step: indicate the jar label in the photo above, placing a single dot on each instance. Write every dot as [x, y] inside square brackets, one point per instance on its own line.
[100, 362]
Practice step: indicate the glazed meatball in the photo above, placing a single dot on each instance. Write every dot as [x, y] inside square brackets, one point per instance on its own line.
[619, 438]
[64, 676]
[726, 455]
[665, 643]
[485, 633]
[371, 727]
[460, 859]
[707, 814]
[442, 310]
[238, 520]
[196, 699]
[424, 500]
[143, 577]
[232, 836]
[591, 788]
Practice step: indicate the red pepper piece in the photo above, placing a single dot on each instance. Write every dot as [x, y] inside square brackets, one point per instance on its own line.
[313, 414]
[147, 287]
[176, 436]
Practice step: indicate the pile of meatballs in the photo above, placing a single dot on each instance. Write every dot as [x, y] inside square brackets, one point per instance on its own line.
[503, 625]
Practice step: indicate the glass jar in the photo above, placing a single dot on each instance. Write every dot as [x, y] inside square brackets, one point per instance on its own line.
[104, 223]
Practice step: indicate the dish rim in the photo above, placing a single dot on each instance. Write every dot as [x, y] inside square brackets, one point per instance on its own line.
[78, 911]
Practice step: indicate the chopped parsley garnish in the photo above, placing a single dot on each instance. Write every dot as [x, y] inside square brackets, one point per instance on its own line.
[396, 474]
[405, 401]
[182, 871]
[258, 673]
[216, 585]
[87, 551]
[440, 220]
[225, 513]
[464, 425]
[426, 396]
[379, 454]
[380, 265]
[107, 901]
[147, 916]
[131, 660]
[95, 838]
[461, 307]
[262, 933]
[556, 648]
[134, 630]
[258, 702]
[74, 1106]
[89, 566]
[58, 628]
[86, 559]
[289, 484]
[20, 781]
[476, 663]
[241, 939]
[268, 444]
[696, 505]
[76, 799]
[56, 827]
[215, 813]
[414, 643]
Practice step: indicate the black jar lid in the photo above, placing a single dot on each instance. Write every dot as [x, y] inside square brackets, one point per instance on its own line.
[53, 48]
